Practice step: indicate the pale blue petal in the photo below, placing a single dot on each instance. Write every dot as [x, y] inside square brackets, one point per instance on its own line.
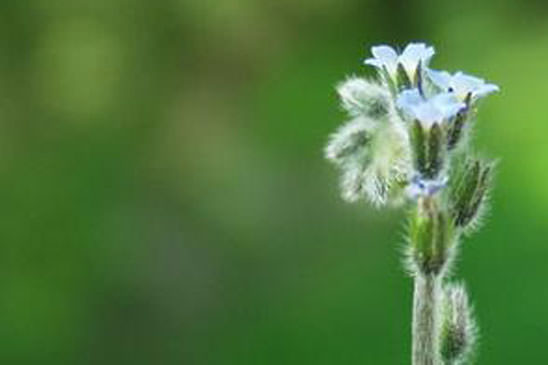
[410, 96]
[437, 109]
[464, 82]
[448, 104]
[428, 114]
[385, 54]
[441, 79]
[409, 100]
[373, 62]
[428, 53]
[422, 187]
[485, 90]
[413, 53]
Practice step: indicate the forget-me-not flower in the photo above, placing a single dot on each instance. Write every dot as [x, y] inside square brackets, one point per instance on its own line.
[462, 85]
[385, 57]
[419, 187]
[437, 109]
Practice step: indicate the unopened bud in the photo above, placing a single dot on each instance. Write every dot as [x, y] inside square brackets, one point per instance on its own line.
[436, 151]
[418, 145]
[428, 149]
[469, 195]
[459, 331]
[361, 97]
[431, 237]
[455, 132]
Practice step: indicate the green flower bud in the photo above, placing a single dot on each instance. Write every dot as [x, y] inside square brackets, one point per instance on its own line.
[373, 158]
[428, 149]
[469, 192]
[454, 133]
[436, 151]
[459, 331]
[418, 146]
[431, 236]
[362, 97]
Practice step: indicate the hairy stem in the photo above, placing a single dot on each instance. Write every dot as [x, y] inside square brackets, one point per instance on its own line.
[427, 320]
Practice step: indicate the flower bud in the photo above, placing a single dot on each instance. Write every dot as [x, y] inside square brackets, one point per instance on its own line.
[459, 331]
[350, 142]
[455, 131]
[428, 147]
[418, 146]
[361, 97]
[373, 159]
[436, 151]
[431, 237]
[468, 194]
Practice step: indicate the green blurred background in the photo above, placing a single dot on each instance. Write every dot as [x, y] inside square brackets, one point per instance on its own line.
[164, 199]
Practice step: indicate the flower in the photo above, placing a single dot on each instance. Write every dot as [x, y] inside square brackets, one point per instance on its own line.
[461, 84]
[385, 57]
[437, 109]
[419, 187]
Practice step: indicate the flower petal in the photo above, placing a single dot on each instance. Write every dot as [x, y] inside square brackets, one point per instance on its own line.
[409, 99]
[441, 79]
[485, 90]
[428, 114]
[415, 53]
[385, 54]
[448, 104]
[373, 62]
[462, 84]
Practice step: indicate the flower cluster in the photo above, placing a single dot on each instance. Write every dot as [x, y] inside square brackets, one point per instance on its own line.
[407, 141]
[403, 125]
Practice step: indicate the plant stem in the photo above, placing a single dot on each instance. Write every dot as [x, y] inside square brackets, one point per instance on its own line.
[427, 319]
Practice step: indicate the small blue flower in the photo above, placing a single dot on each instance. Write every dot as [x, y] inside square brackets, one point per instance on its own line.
[462, 85]
[419, 187]
[386, 57]
[439, 108]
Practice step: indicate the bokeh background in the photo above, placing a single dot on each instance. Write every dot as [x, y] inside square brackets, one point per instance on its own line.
[164, 199]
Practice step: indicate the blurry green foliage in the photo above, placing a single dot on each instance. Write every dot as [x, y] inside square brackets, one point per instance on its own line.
[164, 198]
